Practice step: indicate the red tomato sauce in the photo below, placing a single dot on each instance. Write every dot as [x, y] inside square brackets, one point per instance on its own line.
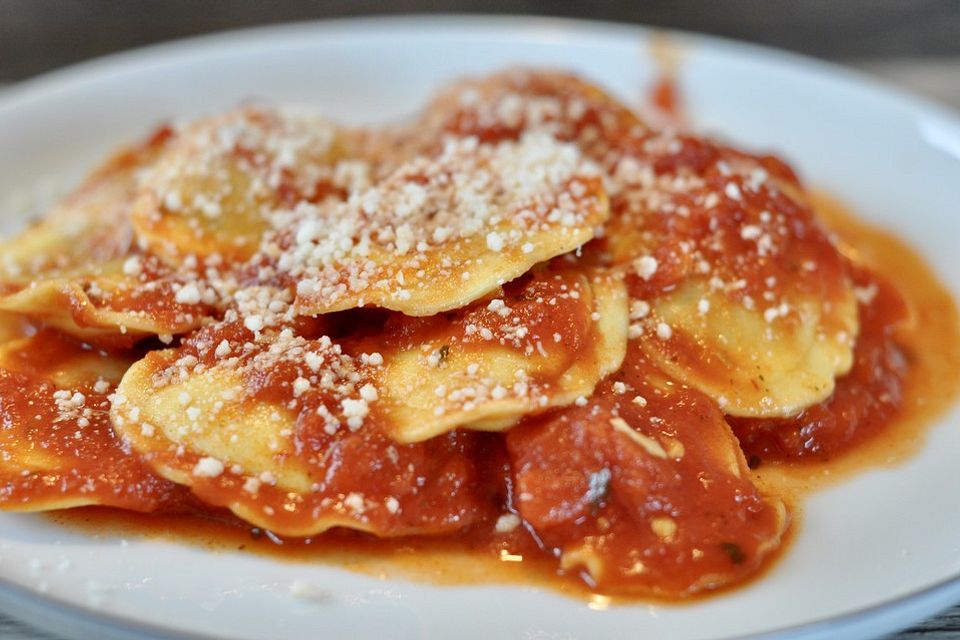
[722, 522]
[67, 455]
[864, 401]
[671, 515]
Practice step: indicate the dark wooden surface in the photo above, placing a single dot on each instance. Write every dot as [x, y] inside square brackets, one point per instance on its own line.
[915, 43]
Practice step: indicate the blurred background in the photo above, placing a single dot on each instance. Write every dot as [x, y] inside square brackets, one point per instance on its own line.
[912, 42]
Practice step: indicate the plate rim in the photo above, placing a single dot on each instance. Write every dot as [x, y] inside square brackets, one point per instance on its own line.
[862, 622]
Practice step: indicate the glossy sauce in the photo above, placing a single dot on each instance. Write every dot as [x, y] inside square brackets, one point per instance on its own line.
[362, 477]
[435, 483]
[927, 387]
[929, 341]
[70, 456]
[713, 233]
[643, 497]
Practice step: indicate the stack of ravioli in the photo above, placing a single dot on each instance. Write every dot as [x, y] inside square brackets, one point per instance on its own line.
[526, 314]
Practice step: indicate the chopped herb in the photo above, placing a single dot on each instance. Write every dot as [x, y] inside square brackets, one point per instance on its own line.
[733, 550]
[444, 352]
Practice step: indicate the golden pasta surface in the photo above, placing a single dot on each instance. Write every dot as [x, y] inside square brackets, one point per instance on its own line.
[522, 322]
[213, 187]
[441, 231]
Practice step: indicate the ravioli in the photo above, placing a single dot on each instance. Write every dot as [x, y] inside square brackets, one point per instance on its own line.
[245, 403]
[643, 490]
[523, 320]
[441, 231]
[277, 428]
[118, 303]
[736, 286]
[729, 232]
[212, 191]
[865, 399]
[57, 446]
[544, 343]
[752, 363]
[79, 269]
[504, 106]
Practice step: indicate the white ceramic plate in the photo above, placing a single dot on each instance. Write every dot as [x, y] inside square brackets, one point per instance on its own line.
[874, 554]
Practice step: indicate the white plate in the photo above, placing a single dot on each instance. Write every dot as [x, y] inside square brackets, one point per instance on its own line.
[874, 554]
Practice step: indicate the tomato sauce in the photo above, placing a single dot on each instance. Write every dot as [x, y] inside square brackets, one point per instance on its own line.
[706, 224]
[640, 491]
[664, 94]
[578, 111]
[63, 450]
[433, 486]
[906, 370]
[668, 510]
[864, 401]
[718, 514]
